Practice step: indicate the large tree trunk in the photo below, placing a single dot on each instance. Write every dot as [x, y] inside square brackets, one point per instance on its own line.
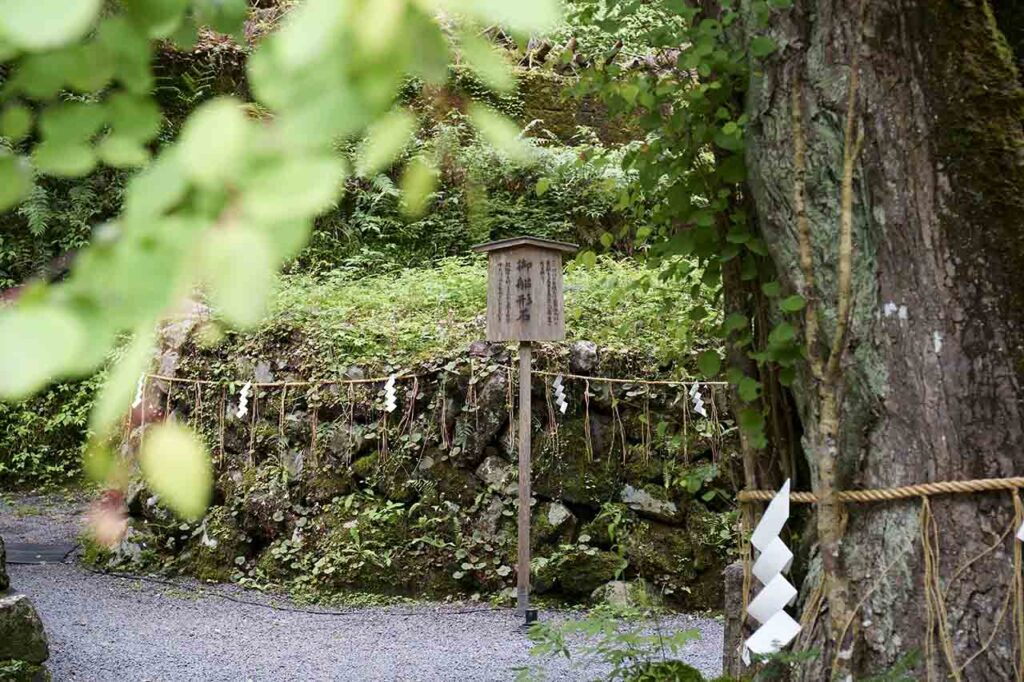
[933, 380]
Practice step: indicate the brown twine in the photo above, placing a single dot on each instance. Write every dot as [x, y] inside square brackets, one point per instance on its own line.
[273, 384]
[313, 404]
[280, 419]
[586, 421]
[253, 416]
[220, 418]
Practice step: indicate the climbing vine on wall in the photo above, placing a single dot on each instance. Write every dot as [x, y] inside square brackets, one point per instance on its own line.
[691, 169]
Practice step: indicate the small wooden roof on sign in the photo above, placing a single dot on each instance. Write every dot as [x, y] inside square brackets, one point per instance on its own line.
[512, 242]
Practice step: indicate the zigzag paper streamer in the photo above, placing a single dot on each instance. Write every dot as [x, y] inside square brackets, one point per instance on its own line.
[560, 400]
[1020, 533]
[698, 400]
[243, 400]
[390, 395]
[768, 608]
[138, 391]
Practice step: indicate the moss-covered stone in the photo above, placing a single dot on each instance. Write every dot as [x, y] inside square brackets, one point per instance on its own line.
[580, 571]
[23, 671]
[22, 637]
[219, 540]
[684, 562]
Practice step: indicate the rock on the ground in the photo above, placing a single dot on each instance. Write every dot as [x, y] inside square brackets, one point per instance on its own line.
[625, 594]
[583, 357]
[643, 502]
[21, 632]
[496, 472]
[553, 520]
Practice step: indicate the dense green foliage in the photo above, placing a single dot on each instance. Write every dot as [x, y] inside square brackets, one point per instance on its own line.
[42, 438]
[690, 171]
[482, 195]
[416, 314]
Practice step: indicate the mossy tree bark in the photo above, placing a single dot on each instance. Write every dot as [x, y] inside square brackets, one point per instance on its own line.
[931, 382]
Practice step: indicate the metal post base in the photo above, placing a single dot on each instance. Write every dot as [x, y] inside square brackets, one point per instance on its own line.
[530, 617]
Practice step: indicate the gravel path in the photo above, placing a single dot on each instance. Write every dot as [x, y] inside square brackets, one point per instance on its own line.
[107, 628]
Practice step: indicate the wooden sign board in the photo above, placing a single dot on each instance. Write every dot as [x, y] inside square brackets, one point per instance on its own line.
[525, 296]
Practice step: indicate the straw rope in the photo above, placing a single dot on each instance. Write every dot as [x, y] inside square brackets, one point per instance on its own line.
[901, 493]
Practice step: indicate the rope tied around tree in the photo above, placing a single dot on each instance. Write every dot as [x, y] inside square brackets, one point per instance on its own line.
[939, 638]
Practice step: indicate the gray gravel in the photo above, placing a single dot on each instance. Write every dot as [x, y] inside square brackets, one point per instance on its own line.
[106, 628]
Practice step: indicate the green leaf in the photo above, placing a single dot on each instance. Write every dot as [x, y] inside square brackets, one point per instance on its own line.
[90, 68]
[68, 160]
[384, 141]
[133, 116]
[119, 151]
[487, 62]
[177, 468]
[749, 389]
[751, 420]
[129, 51]
[418, 184]
[15, 180]
[213, 142]
[37, 345]
[159, 18]
[543, 185]
[734, 322]
[771, 289]
[709, 363]
[762, 46]
[15, 122]
[115, 396]
[46, 24]
[70, 122]
[156, 189]
[500, 132]
[239, 267]
[226, 16]
[792, 304]
[782, 334]
[295, 187]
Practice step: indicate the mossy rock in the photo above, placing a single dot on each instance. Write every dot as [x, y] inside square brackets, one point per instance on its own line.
[552, 521]
[580, 571]
[663, 671]
[211, 556]
[453, 483]
[684, 562]
[570, 475]
[22, 637]
[23, 671]
[326, 484]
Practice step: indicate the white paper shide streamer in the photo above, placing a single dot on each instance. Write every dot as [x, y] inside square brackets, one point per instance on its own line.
[390, 395]
[138, 391]
[559, 390]
[243, 400]
[774, 558]
[698, 400]
[1020, 533]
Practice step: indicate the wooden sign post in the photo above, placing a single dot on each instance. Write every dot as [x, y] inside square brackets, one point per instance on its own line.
[525, 303]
